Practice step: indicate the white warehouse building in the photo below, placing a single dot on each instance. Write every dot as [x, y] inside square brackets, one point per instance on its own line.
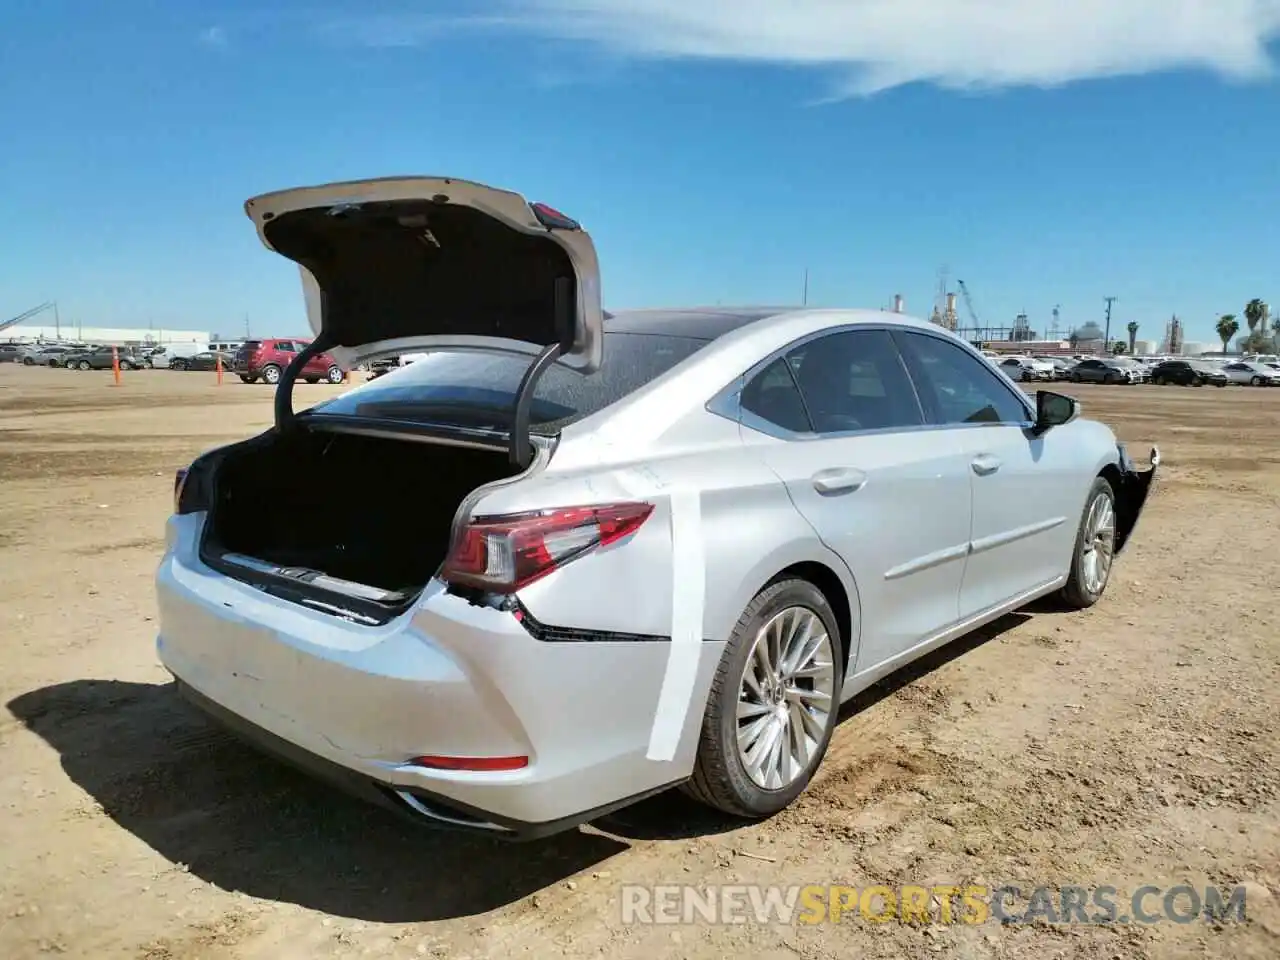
[67, 332]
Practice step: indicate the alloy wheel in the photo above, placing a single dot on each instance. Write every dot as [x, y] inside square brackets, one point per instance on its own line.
[1099, 543]
[786, 698]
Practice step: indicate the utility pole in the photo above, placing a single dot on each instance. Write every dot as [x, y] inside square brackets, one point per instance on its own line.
[805, 301]
[57, 322]
[1107, 336]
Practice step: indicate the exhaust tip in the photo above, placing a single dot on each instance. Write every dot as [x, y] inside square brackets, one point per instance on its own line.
[437, 813]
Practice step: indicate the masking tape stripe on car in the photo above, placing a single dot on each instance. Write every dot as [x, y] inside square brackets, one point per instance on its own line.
[688, 575]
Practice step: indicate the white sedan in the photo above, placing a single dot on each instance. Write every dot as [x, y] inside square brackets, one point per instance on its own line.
[1253, 373]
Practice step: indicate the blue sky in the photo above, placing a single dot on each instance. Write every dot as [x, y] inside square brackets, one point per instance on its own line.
[714, 149]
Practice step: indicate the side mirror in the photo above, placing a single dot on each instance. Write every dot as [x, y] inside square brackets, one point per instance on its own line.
[1053, 410]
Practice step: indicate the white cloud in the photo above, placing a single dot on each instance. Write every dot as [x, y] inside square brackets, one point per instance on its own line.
[213, 37]
[874, 45]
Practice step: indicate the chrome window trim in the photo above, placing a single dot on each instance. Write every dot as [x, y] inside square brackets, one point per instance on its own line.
[727, 403]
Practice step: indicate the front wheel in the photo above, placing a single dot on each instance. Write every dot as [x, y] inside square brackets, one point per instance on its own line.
[28, 362]
[271, 374]
[773, 703]
[85, 365]
[1256, 382]
[1095, 548]
[178, 365]
[334, 374]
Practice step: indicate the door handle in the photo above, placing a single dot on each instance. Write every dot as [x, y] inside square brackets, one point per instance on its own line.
[985, 464]
[838, 480]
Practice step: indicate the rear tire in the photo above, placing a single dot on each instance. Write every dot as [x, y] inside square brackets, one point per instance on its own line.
[271, 374]
[313, 379]
[84, 365]
[28, 362]
[178, 365]
[334, 374]
[1256, 382]
[1094, 553]
[245, 379]
[790, 711]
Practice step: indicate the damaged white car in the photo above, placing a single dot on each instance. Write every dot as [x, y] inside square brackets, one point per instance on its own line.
[569, 559]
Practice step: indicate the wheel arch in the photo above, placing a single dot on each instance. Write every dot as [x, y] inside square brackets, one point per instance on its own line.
[838, 596]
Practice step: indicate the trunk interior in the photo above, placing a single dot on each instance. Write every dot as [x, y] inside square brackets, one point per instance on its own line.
[369, 510]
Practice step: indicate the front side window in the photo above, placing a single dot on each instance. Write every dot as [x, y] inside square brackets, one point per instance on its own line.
[956, 386]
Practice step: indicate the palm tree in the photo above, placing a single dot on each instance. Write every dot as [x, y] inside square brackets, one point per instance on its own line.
[1255, 315]
[1275, 332]
[1254, 311]
[1227, 328]
[1132, 327]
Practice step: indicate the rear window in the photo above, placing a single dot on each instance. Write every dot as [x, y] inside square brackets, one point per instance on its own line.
[478, 389]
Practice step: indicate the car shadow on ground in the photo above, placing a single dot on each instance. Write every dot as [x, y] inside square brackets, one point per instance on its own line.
[244, 822]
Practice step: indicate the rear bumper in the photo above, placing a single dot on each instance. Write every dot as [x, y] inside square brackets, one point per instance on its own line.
[354, 704]
[413, 804]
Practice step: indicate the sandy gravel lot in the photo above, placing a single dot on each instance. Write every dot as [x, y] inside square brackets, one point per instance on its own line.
[1133, 744]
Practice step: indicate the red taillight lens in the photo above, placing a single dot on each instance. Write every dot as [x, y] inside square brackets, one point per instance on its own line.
[505, 554]
[179, 481]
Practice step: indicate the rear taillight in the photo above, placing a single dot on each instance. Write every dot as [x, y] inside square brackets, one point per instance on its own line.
[179, 481]
[504, 554]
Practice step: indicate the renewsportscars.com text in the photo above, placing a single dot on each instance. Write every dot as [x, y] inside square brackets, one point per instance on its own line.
[967, 904]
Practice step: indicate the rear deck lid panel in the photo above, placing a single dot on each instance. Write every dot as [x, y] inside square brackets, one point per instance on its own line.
[435, 261]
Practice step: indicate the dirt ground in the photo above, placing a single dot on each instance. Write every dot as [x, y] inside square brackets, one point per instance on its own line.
[1136, 743]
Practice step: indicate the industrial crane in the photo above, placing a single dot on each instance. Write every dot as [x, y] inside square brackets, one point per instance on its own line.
[968, 303]
[14, 321]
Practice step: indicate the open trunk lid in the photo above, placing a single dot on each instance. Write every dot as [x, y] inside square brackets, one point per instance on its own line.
[400, 264]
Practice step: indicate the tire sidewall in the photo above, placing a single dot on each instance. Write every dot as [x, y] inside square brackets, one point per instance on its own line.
[1101, 488]
[329, 374]
[271, 374]
[788, 593]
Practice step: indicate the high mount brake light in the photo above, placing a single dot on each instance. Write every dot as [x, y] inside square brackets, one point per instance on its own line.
[553, 219]
[507, 553]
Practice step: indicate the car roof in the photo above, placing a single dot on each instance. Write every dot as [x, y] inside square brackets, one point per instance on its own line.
[702, 323]
[711, 323]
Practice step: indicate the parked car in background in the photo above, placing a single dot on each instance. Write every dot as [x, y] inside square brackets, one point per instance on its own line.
[1194, 373]
[102, 358]
[1026, 368]
[1062, 366]
[1251, 372]
[380, 368]
[208, 360]
[1098, 370]
[12, 352]
[801, 499]
[45, 356]
[1138, 372]
[266, 360]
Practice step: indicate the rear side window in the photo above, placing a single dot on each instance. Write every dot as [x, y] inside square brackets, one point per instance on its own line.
[855, 380]
[476, 388]
[772, 396]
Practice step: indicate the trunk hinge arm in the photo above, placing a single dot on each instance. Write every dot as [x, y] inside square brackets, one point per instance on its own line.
[284, 389]
[519, 448]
